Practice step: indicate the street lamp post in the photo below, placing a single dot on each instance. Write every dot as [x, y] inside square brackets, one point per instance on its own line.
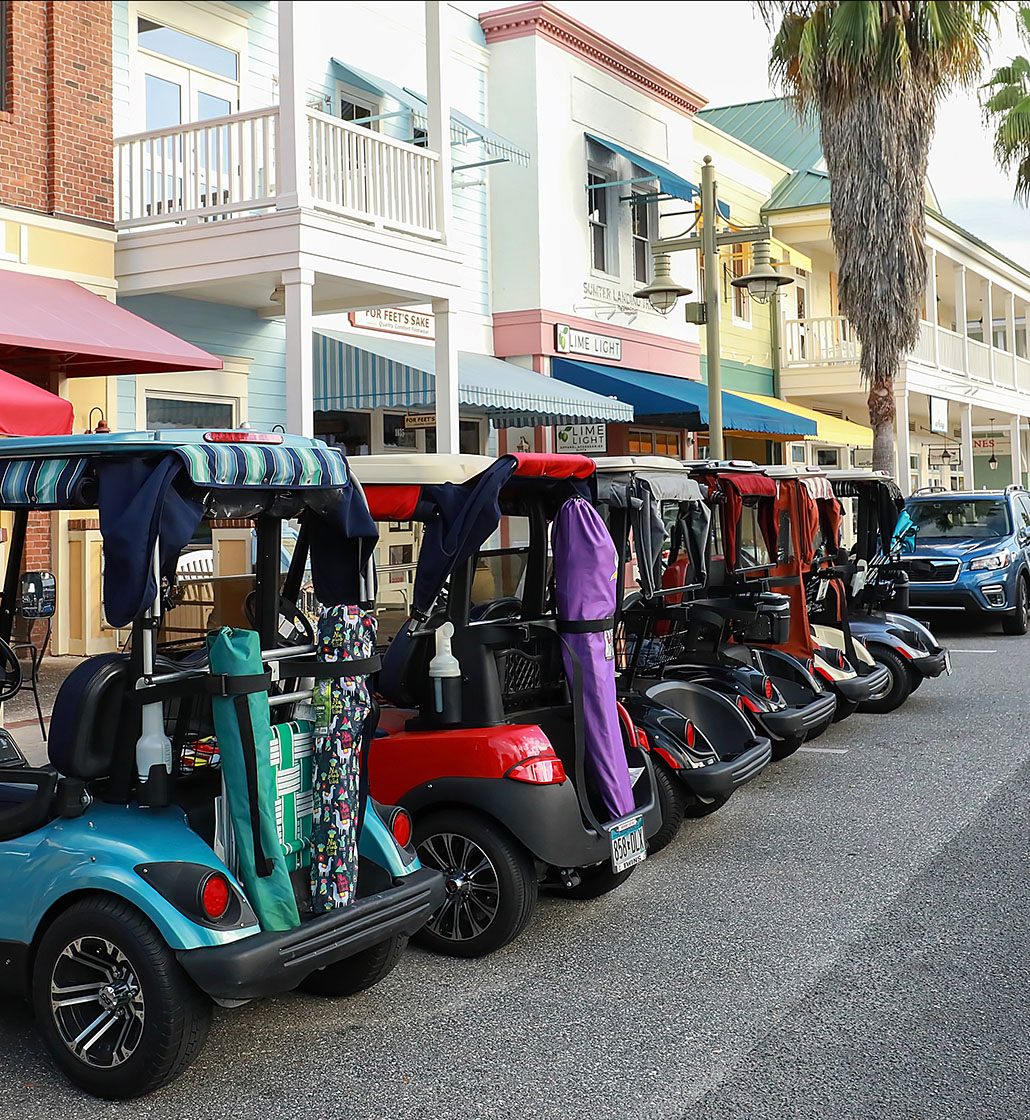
[761, 282]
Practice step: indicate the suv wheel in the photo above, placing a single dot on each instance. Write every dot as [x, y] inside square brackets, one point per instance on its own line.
[1018, 621]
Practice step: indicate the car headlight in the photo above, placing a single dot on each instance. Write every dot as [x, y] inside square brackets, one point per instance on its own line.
[991, 563]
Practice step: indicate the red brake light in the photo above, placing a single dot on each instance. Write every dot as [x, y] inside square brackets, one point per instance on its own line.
[243, 437]
[400, 826]
[768, 689]
[214, 896]
[747, 702]
[642, 739]
[540, 771]
[690, 734]
[841, 663]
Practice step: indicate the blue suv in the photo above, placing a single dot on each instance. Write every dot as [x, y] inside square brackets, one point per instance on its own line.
[972, 550]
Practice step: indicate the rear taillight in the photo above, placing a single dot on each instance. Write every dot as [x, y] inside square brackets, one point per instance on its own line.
[668, 758]
[690, 734]
[242, 437]
[400, 826]
[538, 771]
[215, 895]
[841, 663]
[768, 689]
[749, 704]
[642, 742]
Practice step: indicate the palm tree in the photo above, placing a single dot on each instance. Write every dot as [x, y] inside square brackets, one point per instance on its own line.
[1005, 99]
[874, 72]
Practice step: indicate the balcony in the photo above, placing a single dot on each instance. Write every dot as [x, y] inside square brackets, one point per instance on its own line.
[228, 167]
[832, 342]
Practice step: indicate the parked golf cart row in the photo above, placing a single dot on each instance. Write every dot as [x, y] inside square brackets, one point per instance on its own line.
[536, 725]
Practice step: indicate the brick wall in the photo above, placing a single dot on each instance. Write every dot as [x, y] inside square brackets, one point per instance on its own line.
[56, 128]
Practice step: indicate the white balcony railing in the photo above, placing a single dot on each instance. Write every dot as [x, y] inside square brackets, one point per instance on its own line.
[228, 167]
[819, 342]
[979, 359]
[951, 352]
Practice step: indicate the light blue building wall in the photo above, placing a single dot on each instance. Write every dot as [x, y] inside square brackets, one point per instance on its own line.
[234, 332]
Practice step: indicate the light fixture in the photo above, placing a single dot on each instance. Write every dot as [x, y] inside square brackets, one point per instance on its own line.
[763, 280]
[663, 291]
[946, 456]
[278, 295]
[992, 462]
[101, 429]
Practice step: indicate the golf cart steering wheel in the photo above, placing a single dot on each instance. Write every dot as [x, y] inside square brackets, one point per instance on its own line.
[510, 606]
[10, 672]
[294, 627]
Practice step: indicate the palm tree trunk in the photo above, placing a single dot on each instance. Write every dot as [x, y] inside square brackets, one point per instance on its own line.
[881, 420]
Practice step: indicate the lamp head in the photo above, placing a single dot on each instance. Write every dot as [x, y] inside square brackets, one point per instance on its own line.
[663, 291]
[763, 280]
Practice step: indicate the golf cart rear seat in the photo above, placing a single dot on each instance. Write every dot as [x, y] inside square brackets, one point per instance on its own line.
[87, 726]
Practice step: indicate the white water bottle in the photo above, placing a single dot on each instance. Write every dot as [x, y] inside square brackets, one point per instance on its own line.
[153, 747]
[445, 674]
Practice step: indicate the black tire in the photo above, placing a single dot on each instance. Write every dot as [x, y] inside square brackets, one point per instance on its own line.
[1018, 621]
[845, 708]
[784, 748]
[901, 683]
[698, 807]
[505, 896]
[164, 1018]
[672, 801]
[355, 974]
[597, 881]
[915, 679]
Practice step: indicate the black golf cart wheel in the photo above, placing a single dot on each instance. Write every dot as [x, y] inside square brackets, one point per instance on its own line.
[672, 801]
[784, 748]
[900, 686]
[597, 881]
[115, 1008]
[698, 807]
[355, 974]
[915, 679]
[844, 708]
[490, 882]
[1018, 621]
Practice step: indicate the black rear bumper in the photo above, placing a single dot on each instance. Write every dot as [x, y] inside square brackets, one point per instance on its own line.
[931, 666]
[803, 722]
[862, 688]
[269, 963]
[720, 779]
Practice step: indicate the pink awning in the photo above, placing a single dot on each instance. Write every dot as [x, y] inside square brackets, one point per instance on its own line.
[27, 410]
[56, 326]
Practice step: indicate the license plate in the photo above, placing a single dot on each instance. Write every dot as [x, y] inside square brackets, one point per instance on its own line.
[947, 661]
[628, 843]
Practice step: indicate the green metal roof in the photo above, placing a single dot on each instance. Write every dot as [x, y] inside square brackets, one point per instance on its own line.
[798, 191]
[772, 127]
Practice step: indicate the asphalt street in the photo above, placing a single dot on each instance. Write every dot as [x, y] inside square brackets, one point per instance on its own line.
[847, 939]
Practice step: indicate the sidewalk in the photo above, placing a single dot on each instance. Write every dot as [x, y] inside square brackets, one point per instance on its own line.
[20, 712]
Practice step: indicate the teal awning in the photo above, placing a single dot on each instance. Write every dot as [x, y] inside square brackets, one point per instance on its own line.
[353, 371]
[671, 184]
[656, 394]
[464, 130]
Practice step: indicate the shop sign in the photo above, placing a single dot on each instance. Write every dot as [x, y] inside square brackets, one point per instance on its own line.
[935, 457]
[581, 438]
[395, 320]
[939, 415]
[992, 445]
[570, 340]
[419, 420]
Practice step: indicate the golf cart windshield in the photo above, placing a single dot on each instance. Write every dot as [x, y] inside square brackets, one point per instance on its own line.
[969, 518]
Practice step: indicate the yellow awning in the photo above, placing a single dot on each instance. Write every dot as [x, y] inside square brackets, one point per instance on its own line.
[830, 428]
[784, 254]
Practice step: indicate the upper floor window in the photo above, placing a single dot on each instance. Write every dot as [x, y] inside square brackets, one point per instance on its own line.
[598, 218]
[194, 52]
[356, 108]
[740, 297]
[642, 235]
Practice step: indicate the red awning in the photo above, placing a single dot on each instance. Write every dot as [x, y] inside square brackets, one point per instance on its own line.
[56, 326]
[27, 410]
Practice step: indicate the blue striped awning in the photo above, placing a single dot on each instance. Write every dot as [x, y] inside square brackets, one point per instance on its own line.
[352, 371]
[43, 483]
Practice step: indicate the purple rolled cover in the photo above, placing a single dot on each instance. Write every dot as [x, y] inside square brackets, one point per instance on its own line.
[585, 563]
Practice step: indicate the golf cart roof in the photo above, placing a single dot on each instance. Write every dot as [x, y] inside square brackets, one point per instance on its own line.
[57, 472]
[427, 470]
[857, 474]
[637, 463]
[667, 479]
[724, 466]
[793, 470]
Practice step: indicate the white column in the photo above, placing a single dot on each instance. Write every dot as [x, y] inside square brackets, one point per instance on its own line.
[966, 416]
[901, 474]
[960, 312]
[931, 301]
[292, 157]
[438, 100]
[1017, 452]
[300, 356]
[988, 326]
[446, 367]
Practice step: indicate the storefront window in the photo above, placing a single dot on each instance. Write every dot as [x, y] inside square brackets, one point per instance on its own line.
[655, 442]
[468, 438]
[349, 430]
[797, 453]
[164, 413]
[827, 457]
[395, 436]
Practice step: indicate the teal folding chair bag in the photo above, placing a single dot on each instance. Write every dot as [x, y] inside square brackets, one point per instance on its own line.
[244, 737]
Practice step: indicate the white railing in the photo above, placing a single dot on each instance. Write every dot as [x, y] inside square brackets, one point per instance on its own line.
[188, 173]
[924, 345]
[1004, 368]
[979, 359]
[228, 166]
[950, 350]
[818, 342]
[364, 175]
[1023, 375]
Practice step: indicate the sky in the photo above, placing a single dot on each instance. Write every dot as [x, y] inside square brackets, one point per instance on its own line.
[721, 50]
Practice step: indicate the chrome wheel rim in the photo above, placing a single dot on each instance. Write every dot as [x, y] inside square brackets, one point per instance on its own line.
[96, 1002]
[473, 890]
